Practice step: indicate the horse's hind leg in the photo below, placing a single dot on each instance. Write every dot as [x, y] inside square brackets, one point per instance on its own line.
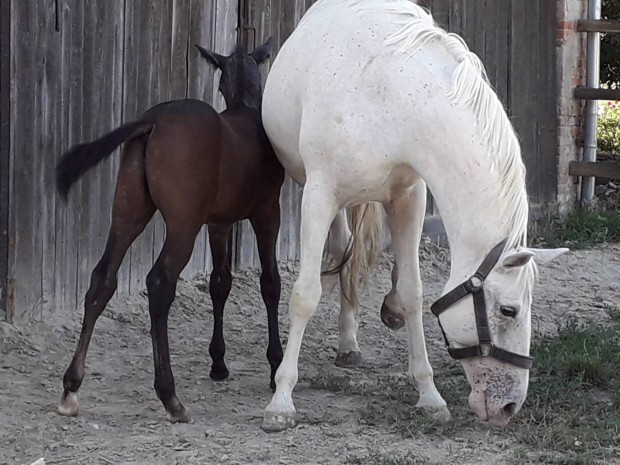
[132, 210]
[266, 224]
[161, 284]
[405, 219]
[219, 289]
[349, 354]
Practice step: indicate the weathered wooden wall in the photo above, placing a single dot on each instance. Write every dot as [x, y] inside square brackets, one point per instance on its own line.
[78, 69]
[516, 41]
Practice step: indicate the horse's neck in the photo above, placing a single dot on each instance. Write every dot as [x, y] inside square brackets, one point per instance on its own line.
[471, 209]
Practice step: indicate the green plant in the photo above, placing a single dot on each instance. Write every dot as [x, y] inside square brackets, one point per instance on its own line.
[609, 128]
[572, 413]
[581, 229]
[610, 46]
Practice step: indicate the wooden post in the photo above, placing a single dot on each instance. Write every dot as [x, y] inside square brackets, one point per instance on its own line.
[5, 125]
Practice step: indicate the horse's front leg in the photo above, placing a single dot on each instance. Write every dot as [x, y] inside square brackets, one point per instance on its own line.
[220, 283]
[318, 208]
[406, 212]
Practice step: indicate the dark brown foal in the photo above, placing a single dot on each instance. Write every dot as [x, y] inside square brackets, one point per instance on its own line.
[197, 167]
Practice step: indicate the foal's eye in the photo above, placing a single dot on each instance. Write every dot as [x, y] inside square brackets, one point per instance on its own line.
[508, 311]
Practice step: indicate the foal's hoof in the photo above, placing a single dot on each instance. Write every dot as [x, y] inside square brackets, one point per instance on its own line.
[439, 415]
[69, 405]
[391, 319]
[349, 359]
[274, 422]
[220, 374]
[179, 416]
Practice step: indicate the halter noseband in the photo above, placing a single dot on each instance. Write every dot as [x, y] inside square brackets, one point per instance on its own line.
[474, 286]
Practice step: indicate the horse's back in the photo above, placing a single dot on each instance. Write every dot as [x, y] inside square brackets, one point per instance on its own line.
[336, 88]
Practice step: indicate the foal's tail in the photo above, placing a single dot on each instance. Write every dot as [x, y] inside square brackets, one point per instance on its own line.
[364, 248]
[81, 158]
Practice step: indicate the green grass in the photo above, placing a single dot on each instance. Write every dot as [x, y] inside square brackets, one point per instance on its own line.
[580, 230]
[572, 413]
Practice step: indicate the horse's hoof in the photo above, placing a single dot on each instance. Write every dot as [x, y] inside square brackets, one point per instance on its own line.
[350, 359]
[179, 416]
[391, 319]
[439, 415]
[219, 375]
[274, 422]
[69, 405]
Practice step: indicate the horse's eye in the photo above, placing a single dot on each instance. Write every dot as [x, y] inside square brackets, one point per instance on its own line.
[508, 311]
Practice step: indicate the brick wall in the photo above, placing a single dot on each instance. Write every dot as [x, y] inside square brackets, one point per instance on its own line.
[571, 73]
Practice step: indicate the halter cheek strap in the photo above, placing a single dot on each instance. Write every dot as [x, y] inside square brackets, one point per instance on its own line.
[475, 287]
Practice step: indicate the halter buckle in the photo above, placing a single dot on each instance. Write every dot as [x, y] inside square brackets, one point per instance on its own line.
[474, 284]
[485, 349]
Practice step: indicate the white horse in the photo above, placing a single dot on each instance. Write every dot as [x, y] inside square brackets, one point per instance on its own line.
[369, 100]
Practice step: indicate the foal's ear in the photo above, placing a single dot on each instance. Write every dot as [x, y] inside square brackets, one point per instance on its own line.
[214, 58]
[261, 52]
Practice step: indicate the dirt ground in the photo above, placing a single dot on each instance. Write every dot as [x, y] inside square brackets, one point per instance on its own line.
[122, 422]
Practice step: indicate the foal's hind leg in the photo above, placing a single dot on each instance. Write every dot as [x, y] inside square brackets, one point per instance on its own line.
[349, 354]
[405, 219]
[266, 224]
[219, 289]
[161, 284]
[132, 210]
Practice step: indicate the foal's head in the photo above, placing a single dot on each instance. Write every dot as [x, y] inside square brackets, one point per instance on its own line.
[240, 83]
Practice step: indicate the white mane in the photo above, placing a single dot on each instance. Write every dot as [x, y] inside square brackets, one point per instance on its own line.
[471, 89]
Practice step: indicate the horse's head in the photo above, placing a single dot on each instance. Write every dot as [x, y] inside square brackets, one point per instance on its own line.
[240, 82]
[496, 360]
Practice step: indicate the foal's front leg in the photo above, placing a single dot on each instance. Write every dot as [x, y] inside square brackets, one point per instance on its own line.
[266, 224]
[405, 219]
[219, 289]
[318, 208]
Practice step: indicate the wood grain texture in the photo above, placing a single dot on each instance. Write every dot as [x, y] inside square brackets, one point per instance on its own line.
[5, 135]
[74, 77]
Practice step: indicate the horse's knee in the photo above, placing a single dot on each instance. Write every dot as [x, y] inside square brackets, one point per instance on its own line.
[305, 298]
[161, 289]
[103, 284]
[220, 284]
[270, 284]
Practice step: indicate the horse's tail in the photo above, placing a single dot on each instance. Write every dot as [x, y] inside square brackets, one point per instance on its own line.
[362, 252]
[81, 158]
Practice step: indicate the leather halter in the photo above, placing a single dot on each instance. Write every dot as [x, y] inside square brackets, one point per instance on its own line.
[474, 286]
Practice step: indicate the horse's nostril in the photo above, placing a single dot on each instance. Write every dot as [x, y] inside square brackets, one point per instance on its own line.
[510, 409]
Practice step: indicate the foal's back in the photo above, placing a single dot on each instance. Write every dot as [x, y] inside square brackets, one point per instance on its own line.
[222, 164]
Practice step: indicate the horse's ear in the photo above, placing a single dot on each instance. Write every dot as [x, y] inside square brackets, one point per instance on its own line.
[517, 259]
[261, 52]
[214, 58]
[544, 256]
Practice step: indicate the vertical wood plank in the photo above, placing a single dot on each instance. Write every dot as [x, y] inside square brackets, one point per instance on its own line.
[547, 112]
[22, 257]
[5, 152]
